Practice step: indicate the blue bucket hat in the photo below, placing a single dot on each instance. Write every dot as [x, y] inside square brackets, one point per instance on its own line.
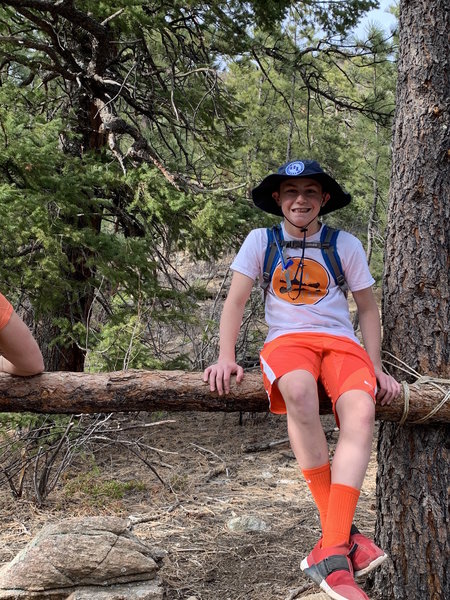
[262, 194]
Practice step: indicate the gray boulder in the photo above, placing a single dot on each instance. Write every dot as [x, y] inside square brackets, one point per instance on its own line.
[148, 590]
[98, 552]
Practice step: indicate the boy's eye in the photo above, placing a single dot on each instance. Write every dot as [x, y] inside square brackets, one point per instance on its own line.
[309, 192]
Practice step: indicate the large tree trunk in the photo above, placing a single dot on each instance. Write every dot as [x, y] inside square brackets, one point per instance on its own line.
[412, 484]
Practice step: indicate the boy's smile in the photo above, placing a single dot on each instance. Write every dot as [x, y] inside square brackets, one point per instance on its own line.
[301, 199]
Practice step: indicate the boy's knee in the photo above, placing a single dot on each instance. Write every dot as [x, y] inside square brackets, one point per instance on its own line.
[300, 397]
[357, 411]
[365, 421]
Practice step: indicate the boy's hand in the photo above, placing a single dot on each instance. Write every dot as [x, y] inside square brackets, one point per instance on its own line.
[388, 387]
[219, 375]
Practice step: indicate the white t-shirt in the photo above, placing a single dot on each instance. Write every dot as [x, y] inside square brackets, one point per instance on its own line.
[319, 306]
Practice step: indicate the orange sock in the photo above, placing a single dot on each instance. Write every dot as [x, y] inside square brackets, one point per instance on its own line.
[341, 510]
[319, 481]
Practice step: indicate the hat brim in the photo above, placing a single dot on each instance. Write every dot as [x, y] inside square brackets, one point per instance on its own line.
[262, 194]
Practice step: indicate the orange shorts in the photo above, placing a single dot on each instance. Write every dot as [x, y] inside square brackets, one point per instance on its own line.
[340, 363]
[6, 311]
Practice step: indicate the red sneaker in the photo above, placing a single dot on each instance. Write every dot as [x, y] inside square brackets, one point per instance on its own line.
[365, 554]
[332, 570]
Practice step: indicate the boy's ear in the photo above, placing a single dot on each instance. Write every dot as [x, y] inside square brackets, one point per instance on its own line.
[325, 197]
[276, 197]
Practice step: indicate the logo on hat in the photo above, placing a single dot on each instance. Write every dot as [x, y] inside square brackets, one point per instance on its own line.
[295, 168]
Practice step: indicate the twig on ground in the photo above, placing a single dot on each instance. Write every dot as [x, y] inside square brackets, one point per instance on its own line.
[295, 592]
[265, 446]
[206, 450]
[269, 445]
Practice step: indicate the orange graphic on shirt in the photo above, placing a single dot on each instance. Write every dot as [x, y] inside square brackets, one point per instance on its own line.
[314, 286]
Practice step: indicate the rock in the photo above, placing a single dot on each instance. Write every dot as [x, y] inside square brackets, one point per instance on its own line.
[247, 523]
[266, 475]
[79, 552]
[150, 590]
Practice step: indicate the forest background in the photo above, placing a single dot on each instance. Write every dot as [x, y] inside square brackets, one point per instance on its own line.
[131, 134]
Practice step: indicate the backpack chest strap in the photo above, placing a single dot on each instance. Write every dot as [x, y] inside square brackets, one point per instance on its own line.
[299, 244]
[276, 245]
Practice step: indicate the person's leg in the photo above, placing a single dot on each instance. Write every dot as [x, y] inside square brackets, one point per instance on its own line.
[318, 480]
[330, 563]
[356, 412]
[348, 378]
[308, 442]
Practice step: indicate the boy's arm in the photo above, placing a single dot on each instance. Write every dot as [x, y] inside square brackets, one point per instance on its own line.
[20, 354]
[369, 320]
[219, 374]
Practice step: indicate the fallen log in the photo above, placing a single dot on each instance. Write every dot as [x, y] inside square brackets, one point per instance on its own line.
[127, 391]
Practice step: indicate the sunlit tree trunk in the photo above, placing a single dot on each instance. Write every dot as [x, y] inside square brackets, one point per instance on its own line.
[412, 484]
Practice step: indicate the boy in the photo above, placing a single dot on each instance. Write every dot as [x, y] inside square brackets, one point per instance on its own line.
[19, 352]
[311, 337]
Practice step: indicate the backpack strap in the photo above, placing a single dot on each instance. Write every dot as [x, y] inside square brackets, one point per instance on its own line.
[269, 257]
[276, 248]
[328, 239]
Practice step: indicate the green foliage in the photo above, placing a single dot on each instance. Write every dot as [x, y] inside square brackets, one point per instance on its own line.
[100, 490]
[119, 344]
[205, 100]
[339, 17]
[13, 421]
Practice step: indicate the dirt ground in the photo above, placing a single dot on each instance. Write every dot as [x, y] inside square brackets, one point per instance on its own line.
[209, 478]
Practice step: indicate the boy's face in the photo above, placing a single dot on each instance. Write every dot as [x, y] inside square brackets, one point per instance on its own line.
[300, 200]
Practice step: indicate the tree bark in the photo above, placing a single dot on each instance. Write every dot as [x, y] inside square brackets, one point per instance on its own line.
[122, 391]
[412, 483]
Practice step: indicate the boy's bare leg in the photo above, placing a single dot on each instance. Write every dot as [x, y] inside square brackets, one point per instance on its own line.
[308, 441]
[356, 411]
